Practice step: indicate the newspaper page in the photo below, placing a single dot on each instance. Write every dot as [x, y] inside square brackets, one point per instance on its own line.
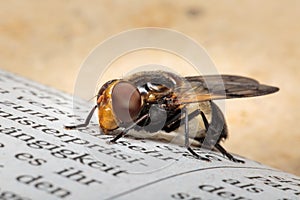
[39, 159]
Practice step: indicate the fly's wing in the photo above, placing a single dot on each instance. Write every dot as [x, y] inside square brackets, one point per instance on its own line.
[212, 87]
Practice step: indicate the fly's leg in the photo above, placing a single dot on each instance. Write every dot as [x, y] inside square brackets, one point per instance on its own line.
[86, 123]
[228, 155]
[124, 132]
[186, 136]
[217, 145]
[175, 122]
[205, 121]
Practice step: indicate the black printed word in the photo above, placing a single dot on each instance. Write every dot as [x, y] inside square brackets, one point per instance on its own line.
[221, 192]
[39, 183]
[9, 195]
[30, 159]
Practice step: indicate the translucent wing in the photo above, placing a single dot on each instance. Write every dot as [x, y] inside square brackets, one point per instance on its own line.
[211, 87]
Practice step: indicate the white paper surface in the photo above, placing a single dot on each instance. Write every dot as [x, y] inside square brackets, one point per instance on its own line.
[41, 160]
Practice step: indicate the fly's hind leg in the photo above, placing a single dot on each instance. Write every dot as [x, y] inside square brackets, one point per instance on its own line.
[217, 117]
[186, 136]
[228, 155]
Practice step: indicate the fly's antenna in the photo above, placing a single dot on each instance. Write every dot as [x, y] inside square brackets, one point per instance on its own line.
[92, 98]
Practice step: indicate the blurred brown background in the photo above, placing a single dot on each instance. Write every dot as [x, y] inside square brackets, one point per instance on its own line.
[47, 41]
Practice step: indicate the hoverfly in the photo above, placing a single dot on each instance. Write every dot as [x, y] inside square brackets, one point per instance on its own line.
[142, 100]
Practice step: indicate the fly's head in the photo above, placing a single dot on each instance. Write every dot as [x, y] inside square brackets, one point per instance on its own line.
[119, 103]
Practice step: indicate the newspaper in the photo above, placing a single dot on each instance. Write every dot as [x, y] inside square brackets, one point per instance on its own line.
[39, 159]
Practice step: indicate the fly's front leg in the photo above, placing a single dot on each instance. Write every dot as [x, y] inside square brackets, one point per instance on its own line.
[85, 124]
[186, 136]
[125, 131]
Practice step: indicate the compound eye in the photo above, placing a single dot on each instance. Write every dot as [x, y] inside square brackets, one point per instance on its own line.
[126, 101]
